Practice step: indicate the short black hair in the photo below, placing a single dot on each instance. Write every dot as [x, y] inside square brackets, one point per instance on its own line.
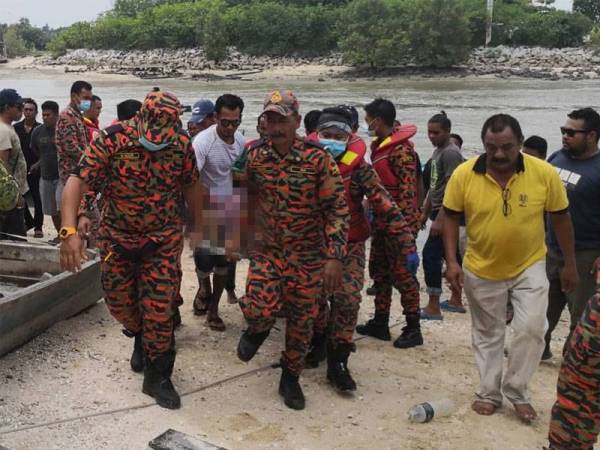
[50, 105]
[353, 115]
[538, 144]
[95, 98]
[79, 86]
[499, 122]
[127, 109]
[590, 118]
[458, 138]
[383, 109]
[442, 119]
[229, 101]
[31, 102]
[311, 120]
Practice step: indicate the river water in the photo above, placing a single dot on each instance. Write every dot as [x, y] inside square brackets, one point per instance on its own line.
[540, 106]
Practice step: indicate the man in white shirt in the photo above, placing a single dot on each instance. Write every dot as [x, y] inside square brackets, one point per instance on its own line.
[216, 149]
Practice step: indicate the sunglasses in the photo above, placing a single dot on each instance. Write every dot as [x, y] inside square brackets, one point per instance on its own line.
[571, 131]
[506, 208]
[230, 123]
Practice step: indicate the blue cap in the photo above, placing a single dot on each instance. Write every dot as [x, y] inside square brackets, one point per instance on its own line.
[201, 109]
[10, 97]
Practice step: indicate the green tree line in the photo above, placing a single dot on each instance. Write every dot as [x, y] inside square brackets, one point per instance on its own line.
[377, 33]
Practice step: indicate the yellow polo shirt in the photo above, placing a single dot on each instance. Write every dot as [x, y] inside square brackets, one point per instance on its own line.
[503, 241]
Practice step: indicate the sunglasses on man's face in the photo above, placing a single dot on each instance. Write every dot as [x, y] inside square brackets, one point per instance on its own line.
[225, 123]
[571, 131]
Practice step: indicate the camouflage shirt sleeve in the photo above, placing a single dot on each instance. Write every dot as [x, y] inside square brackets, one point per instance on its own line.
[190, 172]
[365, 178]
[403, 162]
[332, 200]
[9, 190]
[68, 146]
[94, 164]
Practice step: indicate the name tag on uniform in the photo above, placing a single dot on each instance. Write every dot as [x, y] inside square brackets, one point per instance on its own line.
[301, 170]
[128, 156]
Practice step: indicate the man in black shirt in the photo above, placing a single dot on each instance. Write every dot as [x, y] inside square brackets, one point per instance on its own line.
[24, 128]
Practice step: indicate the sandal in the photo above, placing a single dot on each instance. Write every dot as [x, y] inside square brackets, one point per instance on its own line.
[215, 323]
[426, 316]
[525, 412]
[483, 408]
[446, 306]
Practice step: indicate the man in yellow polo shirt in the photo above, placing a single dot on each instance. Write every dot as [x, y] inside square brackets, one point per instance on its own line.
[504, 195]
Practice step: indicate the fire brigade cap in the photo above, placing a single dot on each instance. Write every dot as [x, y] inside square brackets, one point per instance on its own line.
[282, 102]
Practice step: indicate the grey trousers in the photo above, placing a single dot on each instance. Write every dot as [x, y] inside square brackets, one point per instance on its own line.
[528, 293]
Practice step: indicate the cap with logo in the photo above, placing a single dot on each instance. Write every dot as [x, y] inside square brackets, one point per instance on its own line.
[201, 109]
[282, 102]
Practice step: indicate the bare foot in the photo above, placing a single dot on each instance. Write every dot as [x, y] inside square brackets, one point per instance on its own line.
[525, 412]
[484, 408]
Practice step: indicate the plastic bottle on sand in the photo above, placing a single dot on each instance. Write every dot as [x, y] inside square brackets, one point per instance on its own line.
[425, 412]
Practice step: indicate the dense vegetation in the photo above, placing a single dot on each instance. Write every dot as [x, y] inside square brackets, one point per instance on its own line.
[436, 33]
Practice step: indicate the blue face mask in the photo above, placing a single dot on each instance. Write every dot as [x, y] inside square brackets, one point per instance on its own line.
[336, 148]
[85, 105]
[151, 146]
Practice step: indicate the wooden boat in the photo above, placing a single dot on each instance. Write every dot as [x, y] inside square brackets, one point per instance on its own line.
[35, 293]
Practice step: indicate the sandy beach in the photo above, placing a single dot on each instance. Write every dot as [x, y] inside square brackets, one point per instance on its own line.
[78, 373]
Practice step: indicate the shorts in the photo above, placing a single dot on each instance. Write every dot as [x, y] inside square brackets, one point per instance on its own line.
[207, 262]
[50, 192]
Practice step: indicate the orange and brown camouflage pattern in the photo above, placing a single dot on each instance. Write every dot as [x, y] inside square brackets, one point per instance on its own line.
[575, 421]
[345, 303]
[71, 140]
[141, 204]
[302, 220]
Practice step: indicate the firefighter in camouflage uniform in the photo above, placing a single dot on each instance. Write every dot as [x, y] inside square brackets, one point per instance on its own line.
[141, 167]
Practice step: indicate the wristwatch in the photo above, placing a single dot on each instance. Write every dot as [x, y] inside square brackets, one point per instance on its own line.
[65, 232]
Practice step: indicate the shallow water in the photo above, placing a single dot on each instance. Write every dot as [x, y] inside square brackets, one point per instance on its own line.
[540, 106]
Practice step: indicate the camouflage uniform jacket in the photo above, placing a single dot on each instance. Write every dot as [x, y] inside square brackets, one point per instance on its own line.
[301, 207]
[71, 140]
[9, 190]
[141, 190]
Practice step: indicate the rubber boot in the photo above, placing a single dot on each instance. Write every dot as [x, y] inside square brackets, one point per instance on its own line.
[376, 327]
[137, 357]
[290, 390]
[157, 381]
[337, 367]
[318, 351]
[411, 333]
[249, 344]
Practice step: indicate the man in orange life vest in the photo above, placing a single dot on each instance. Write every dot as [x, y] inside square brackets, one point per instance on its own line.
[395, 161]
[336, 327]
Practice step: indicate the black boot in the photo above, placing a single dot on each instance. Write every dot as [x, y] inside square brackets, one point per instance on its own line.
[337, 367]
[411, 333]
[137, 357]
[157, 381]
[249, 344]
[318, 351]
[290, 390]
[377, 327]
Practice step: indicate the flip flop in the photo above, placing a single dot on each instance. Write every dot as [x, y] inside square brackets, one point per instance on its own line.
[426, 316]
[446, 306]
[215, 324]
[525, 412]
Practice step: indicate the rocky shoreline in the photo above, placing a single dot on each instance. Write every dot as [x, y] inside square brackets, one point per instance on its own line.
[501, 62]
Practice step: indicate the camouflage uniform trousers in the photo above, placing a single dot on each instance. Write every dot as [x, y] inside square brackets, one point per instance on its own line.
[290, 284]
[387, 268]
[575, 422]
[140, 295]
[340, 321]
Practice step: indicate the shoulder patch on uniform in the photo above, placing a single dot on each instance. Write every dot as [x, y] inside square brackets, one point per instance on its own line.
[114, 129]
[259, 143]
[348, 157]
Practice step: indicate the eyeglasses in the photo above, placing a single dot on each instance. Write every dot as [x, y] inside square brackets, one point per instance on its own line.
[506, 208]
[571, 131]
[230, 123]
